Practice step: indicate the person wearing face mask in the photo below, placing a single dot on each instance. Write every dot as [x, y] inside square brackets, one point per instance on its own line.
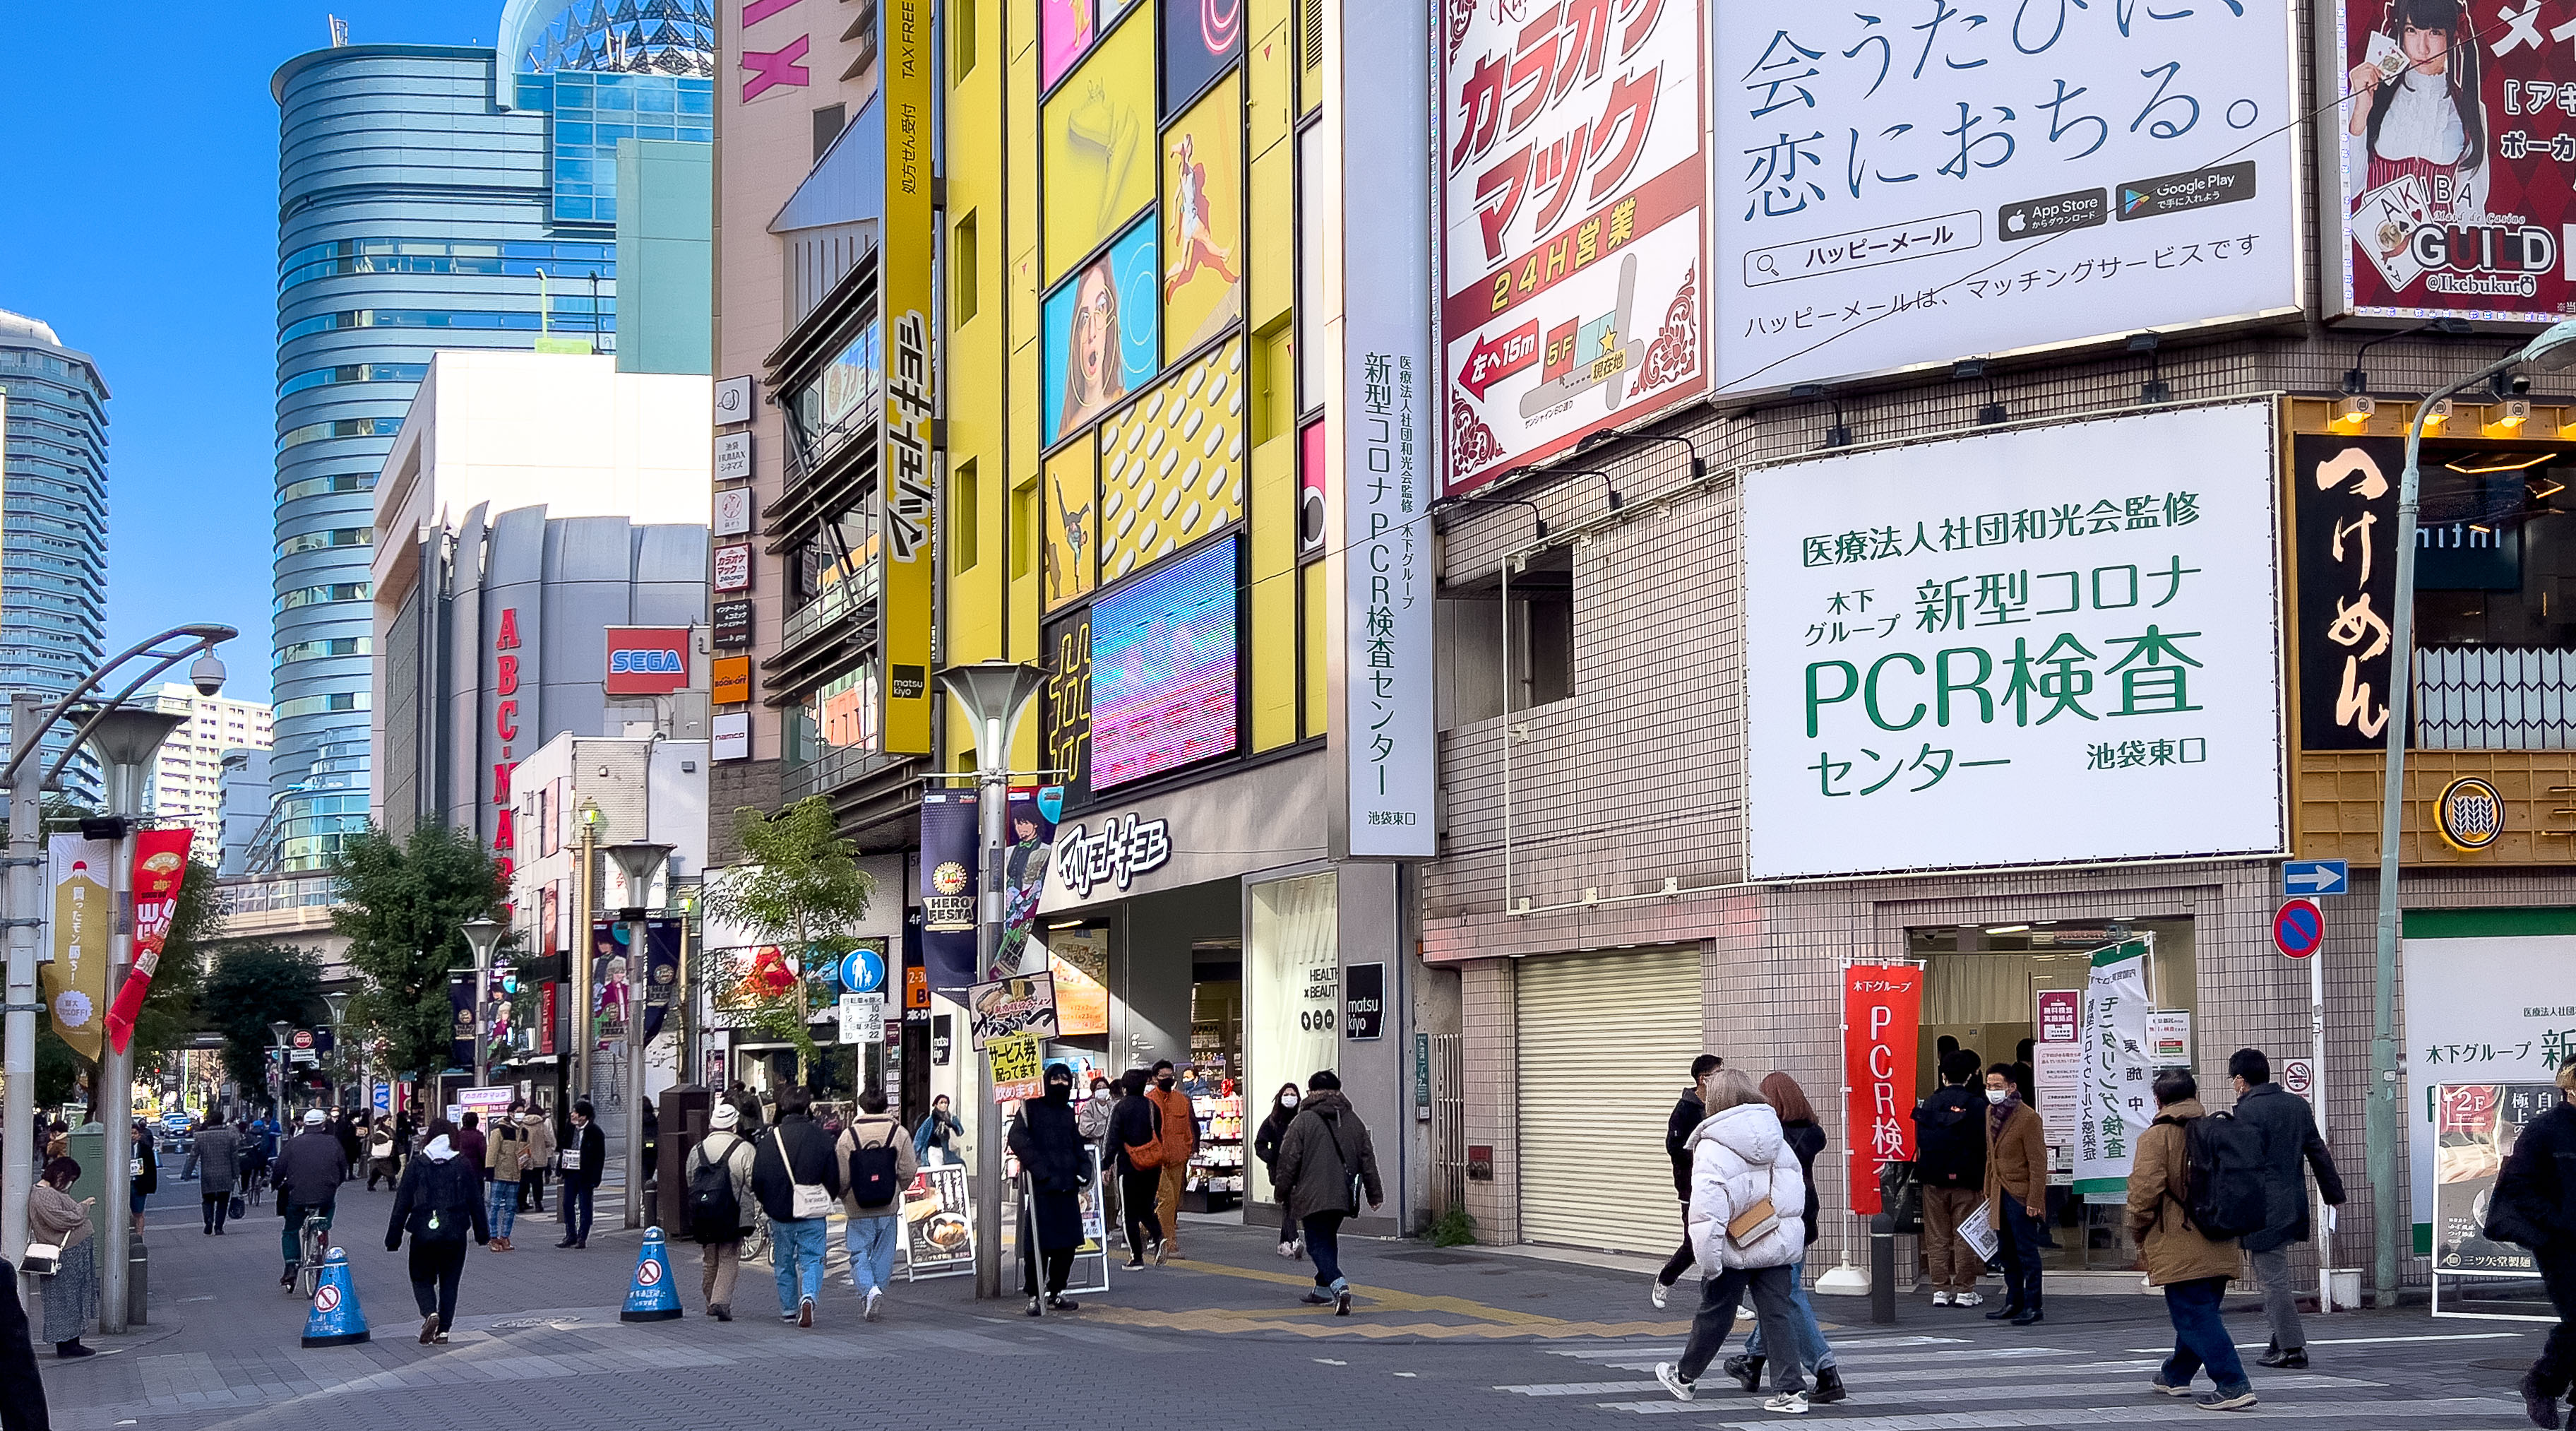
[1092, 1120]
[1054, 1170]
[2016, 1192]
[1136, 1136]
[1265, 1146]
[1180, 1140]
[935, 1140]
[1685, 1121]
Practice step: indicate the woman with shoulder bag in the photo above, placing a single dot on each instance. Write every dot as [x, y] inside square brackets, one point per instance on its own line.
[1806, 1138]
[440, 1202]
[1747, 1223]
[1136, 1135]
[71, 1294]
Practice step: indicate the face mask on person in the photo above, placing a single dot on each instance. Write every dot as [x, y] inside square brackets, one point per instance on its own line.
[1287, 1100]
[1998, 1095]
[1164, 1082]
[1058, 1092]
[1100, 1090]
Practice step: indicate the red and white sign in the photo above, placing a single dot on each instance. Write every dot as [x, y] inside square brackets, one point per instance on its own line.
[1882, 1013]
[647, 660]
[733, 567]
[2299, 928]
[2299, 1076]
[160, 863]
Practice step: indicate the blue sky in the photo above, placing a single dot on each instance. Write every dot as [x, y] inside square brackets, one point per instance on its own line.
[139, 163]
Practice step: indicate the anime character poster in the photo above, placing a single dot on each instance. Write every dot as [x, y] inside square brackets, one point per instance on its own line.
[1203, 218]
[1030, 828]
[611, 976]
[1102, 333]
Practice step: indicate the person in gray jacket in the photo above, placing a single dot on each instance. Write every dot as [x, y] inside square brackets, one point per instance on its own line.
[2289, 1138]
[1325, 1147]
[218, 1153]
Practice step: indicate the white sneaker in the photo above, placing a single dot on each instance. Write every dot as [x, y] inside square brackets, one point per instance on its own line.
[1676, 1383]
[875, 1295]
[1967, 1299]
[1287, 1249]
[1940, 1299]
[1792, 1403]
[1656, 1292]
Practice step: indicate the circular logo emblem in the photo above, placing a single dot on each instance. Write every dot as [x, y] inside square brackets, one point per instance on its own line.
[71, 1008]
[326, 1298]
[949, 877]
[648, 1272]
[2470, 814]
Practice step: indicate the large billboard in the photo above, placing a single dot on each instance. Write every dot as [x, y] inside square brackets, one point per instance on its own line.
[1573, 188]
[2027, 646]
[1165, 669]
[2455, 142]
[1894, 191]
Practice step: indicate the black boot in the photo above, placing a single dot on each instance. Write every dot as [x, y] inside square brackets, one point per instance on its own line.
[2540, 1406]
[1828, 1387]
[73, 1348]
[1747, 1371]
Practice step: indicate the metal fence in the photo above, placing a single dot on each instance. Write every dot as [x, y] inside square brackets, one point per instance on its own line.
[1448, 1123]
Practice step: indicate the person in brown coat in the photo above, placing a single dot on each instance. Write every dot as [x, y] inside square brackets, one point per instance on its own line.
[2192, 1269]
[2016, 1192]
[1180, 1140]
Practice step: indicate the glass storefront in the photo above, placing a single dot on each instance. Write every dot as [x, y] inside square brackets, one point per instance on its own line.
[1294, 966]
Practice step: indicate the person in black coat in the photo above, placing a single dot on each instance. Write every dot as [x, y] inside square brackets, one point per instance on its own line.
[1265, 1146]
[1950, 1164]
[796, 1151]
[22, 1387]
[581, 1174]
[2534, 1204]
[1137, 1123]
[1055, 1169]
[1687, 1114]
[2290, 1138]
[439, 1202]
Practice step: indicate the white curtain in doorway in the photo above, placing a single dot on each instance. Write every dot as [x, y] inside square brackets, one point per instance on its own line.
[1292, 996]
[1981, 988]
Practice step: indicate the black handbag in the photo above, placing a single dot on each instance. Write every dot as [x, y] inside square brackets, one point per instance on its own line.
[237, 1209]
[1900, 1195]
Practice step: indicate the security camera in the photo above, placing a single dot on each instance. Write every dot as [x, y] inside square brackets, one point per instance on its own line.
[207, 674]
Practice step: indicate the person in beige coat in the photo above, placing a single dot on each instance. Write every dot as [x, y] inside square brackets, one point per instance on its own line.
[71, 1294]
[2192, 1269]
[877, 1164]
[2016, 1192]
[541, 1158]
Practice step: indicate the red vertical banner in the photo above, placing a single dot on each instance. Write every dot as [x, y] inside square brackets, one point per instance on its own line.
[160, 862]
[1882, 1015]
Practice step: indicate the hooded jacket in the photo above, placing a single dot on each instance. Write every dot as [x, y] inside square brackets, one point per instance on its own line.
[1677, 1130]
[2159, 1215]
[446, 1190]
[1324, 1146]
[1134, 1123]
[1739, 1157]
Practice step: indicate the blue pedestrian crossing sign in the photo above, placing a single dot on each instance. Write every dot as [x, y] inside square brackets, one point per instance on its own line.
[863, 971]
[2311, 878]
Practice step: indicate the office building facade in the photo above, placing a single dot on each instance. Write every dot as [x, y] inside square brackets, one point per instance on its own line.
[53, 540]
[188, 774]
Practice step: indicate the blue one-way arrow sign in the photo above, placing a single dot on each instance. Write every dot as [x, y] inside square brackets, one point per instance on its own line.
[2314, 877]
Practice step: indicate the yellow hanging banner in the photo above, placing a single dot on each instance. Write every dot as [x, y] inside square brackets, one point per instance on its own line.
[75, 983]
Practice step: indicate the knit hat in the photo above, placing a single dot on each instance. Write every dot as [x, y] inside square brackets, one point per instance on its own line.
[724, 1118]
[313, 1118]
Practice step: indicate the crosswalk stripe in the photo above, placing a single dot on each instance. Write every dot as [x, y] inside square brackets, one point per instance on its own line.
[1675, 1349]
[1864, 1395]
[2359, 1413]
[1876, 1360]
[2005, 1373]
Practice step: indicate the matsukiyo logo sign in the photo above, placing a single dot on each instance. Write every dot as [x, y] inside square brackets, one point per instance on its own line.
[647, 660]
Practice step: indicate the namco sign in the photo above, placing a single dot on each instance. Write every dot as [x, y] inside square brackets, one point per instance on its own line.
[647, 660]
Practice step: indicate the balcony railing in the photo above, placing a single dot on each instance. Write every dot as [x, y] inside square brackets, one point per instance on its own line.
[2495, 698]
[832, 770]
[842, 598]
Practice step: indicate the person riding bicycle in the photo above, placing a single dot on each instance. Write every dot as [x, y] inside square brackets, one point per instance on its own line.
[310, 1169]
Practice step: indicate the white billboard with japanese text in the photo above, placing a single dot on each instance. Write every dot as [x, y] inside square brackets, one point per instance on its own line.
[2027, 646]
[1573, 192]
[1900, 187]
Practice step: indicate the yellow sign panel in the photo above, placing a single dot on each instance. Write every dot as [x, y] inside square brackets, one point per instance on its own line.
[1016, 1071]
[75, 983]
[1172, 465]
[1072, 499]
[906, 483]
[1203, 219]
[1096, 146]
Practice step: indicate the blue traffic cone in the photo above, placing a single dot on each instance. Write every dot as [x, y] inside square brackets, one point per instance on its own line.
[335, 1320]
[651, 1297]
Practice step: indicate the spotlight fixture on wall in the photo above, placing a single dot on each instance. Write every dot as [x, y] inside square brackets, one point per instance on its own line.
[2154, 390]
[2354, 413]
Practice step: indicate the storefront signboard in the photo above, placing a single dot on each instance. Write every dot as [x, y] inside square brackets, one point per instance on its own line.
[947, 893]
[1018, 1007]
[2345, 492]
[2057, 1067]
[1882, 1012]
[2483, 1007]
[938, 1224]
[2475, 1125]
[1893, 192]
[2114, 1078]
[1364, 1001]
[1016, 1073]
[2064, 617]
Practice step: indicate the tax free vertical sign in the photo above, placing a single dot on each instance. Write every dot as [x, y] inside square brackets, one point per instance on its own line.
[1383, 461]
[906, 483]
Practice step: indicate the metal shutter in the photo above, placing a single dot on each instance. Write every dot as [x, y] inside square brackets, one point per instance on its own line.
[1606, 1042]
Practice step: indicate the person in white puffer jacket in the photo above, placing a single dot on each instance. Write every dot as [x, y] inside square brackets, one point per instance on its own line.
[1740, 1159]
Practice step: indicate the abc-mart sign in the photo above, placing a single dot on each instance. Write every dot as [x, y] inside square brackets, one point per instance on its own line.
[647, 660]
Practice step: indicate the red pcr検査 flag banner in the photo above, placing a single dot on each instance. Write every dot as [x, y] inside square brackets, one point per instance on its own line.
[1882, 1016]
[160, 862]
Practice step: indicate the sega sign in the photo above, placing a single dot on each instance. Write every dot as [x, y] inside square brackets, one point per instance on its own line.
[647, 660]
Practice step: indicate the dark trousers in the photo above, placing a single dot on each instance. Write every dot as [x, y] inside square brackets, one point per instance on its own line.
[1136, 1190]
[2557, 1364]
[532, 1191]
[1287, 1223]
[2200, 1337]
[576, 1211]
[1324, 1245]
[216, 1207]
[435, 1269]
[1773, 1310]
[2018, 1241]
[1680, 1262]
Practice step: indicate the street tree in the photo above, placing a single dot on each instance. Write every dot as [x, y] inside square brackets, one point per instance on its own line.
[800, 888]
[251, 987]
[403, 907]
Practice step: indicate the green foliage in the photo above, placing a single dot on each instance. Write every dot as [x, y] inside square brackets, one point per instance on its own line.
[251, 987]
[1453, 1228]
[169, 1019]
[59, 1071]
[404, 907]
[800, 888]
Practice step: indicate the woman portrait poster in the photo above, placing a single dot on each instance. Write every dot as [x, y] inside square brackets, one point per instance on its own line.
[1102, 333]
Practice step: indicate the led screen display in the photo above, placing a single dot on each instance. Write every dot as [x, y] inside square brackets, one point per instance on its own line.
[1163, 669]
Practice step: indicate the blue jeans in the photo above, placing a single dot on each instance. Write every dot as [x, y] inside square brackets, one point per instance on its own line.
[1812, 1348]
[505, 1207]
[871, 1241]
[574, 1209]
[1324, 1245]
[796, 1246]
[2200, 1338]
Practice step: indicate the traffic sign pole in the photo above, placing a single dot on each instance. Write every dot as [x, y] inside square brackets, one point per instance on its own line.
[2317, 1106]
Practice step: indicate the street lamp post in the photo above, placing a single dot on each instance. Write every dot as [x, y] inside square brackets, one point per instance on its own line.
[483, 935]
[2552, 351]
[996, 696]
[638, 861]
[284, 1033]
[335, 1005]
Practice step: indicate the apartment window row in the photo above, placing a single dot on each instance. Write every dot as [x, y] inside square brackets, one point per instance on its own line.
[334, 537]
[354, 373]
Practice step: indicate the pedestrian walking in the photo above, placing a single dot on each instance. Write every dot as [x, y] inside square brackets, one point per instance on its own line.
[1092, 1121]
[353, 1143]
[308, 1177]
[720, 1206]
[146, 1172]
[2193, 1269]
[1950, 1164]
[1180, 1141]
[540, 1133]
[1265, 1146]
[505, 1161]
[2016, 1192]
[2534, 1205]
[1687, 1113]
[796, 1177]
[1746, 1225]
[935, 1140]
[1136, 1131]
[253, 1162]
[1054, 1170]
[439, 1203]
[1806, 1138]
[877, 1164]
[2291, 1146]
[405, 1135]
[71, 1294]
[380, 1154]
[22, 1385]
[585, 1161]
[218, 1163]
[467, 1138]
[1326, 1163]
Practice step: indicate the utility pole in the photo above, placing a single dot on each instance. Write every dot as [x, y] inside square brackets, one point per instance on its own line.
[25, 897]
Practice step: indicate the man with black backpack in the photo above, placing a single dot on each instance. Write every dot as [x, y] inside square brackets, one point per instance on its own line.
[877, 1164]
[1950, 1163]
[2170, 1192]
[2290, 1137]
[720, 1203]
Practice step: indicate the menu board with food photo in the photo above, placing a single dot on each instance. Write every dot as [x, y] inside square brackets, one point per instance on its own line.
[938, 1224]
[2475, 1125]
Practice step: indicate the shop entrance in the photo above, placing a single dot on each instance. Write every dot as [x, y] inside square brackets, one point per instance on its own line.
[1982, 990]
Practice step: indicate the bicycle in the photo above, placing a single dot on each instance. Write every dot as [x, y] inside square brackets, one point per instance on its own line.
[313, 1240]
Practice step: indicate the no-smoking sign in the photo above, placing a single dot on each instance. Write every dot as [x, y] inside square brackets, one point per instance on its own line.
[2298, 1075]
[326, 1298]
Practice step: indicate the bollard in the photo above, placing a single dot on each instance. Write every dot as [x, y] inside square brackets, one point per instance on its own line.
[651, 1297]
[138, 1265]
[1882, 1269]
[335, 1320]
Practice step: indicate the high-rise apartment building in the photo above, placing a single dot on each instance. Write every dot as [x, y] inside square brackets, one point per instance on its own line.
[53, 538]
[430, 197]
[188, 777]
